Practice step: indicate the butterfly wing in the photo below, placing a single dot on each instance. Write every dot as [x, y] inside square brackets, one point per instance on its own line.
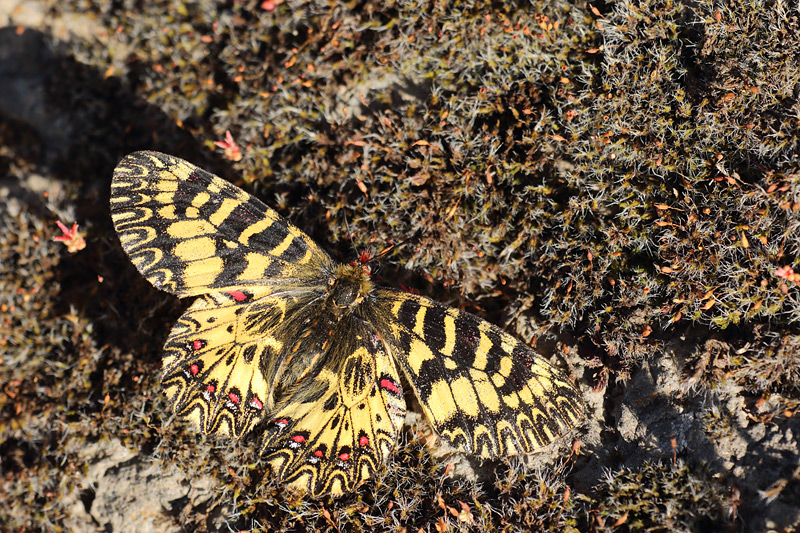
[484, 391]
[190, 232]
[222, 357]
[330, 438]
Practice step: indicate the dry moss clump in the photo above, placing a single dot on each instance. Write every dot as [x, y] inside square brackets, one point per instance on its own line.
[658, 497]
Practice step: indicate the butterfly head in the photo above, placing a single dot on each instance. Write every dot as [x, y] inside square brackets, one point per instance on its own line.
[347, 288]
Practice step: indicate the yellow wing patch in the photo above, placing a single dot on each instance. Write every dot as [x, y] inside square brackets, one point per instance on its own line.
[213, 360]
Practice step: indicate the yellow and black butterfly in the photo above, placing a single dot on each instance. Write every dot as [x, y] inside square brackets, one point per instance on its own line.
[283, 338]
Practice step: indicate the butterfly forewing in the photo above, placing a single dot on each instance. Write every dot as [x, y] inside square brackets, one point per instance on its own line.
[483, 390]
[189, 232]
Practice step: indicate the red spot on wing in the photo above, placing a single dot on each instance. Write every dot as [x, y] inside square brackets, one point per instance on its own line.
[255, 403]
[299, 439]
[363, 440]
[238, 295]
[390, 386]
[194, 368]
[318, 453]
[344, 456]
[281, 422]
[197, 345]
[211, 389]
[234, 398]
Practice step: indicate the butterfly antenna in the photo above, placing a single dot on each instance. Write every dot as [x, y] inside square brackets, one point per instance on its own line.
[388, 249]
[391, 247]
[349, 233]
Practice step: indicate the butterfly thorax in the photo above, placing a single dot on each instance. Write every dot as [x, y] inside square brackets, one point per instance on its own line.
[304, 356]
[349, 285]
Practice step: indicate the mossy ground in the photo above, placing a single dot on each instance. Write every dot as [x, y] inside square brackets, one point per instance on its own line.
[619, 180]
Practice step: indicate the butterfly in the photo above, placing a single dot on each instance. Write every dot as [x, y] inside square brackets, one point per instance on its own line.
[284, 341]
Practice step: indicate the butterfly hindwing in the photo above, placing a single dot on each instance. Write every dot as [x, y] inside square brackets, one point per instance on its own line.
[330, 437]
[482, 390]
[190, 232]
[222, 355]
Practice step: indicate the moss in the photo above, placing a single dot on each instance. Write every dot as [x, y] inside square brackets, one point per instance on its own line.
[605, 177]
[761, 360]
[659, 497]
[47, 358]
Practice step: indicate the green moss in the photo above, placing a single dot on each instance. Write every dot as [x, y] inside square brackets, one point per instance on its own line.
[38, 349]
[761, 360]
[658, 497]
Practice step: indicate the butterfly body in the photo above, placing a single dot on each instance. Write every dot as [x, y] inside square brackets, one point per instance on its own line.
[311, 352]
